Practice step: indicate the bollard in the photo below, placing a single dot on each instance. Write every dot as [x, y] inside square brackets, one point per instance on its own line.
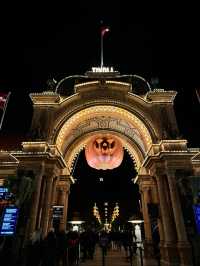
[79, 254]
[103, 256]
[67, 259]
[131, 255]
[141, 259]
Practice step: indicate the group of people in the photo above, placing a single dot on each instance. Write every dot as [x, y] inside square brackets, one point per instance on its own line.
[61, 248]
[67, 249]
[56, 249]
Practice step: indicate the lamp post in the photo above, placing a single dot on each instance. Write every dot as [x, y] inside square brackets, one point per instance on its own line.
[136, 222]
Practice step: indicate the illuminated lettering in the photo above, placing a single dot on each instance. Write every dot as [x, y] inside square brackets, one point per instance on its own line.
[102, 69]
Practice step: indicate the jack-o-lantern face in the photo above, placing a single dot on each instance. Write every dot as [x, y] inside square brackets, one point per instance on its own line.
[104, 151]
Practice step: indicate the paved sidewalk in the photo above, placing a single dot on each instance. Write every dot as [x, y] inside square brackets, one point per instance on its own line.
[113, 258]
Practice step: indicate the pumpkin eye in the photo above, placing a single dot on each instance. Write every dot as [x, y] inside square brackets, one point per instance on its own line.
[112, 145]
[96, 144]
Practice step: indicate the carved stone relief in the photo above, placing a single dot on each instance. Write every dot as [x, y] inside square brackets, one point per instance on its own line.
[105, 123]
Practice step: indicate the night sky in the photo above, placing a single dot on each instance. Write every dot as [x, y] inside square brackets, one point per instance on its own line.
[39, 42]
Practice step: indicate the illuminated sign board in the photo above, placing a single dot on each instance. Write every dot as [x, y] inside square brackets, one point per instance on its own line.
[196, 209]
[3, 192]
[3, 189]
[102, 69]
[9, 221]
[57, 212]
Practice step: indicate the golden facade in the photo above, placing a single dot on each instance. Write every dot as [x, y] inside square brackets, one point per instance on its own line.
[65, 119]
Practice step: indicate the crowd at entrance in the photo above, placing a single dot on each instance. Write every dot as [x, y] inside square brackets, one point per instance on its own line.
[71, 248]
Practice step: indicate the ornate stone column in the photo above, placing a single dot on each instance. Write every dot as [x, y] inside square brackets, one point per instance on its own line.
[63, 199]
[169, 232]
[168, 249]
[53, 202]
[41, 203]
[146, 184]
[54, 191]
[147, 223]
[35, 201]
[47, 204]
[183, 244]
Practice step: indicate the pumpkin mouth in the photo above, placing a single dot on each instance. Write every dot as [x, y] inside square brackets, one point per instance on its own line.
[104, 151]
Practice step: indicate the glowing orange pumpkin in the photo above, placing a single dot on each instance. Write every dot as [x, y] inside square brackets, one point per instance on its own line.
[104, 151]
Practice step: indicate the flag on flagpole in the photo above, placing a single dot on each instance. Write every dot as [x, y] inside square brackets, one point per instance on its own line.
[4, 97]
[104, 30]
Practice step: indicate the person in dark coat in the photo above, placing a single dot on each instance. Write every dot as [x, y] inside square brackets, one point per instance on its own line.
[34, 249]
[49, 250]
[61, 248]
[73, 247]
[88, 240]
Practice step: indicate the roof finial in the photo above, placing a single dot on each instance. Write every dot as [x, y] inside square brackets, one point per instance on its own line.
[51, 84]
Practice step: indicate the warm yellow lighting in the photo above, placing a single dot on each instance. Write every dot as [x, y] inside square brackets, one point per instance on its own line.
[136, 221]
[94, 111]
[76, 222]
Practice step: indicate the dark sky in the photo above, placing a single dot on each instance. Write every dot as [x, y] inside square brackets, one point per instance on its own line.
[41, 41]
[44, 41]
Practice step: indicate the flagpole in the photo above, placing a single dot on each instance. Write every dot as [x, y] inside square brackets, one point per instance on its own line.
[198, 94]
[4, 110]
[101, 49]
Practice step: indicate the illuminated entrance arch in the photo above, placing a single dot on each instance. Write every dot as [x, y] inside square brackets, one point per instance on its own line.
[144, 121]
[103, 118]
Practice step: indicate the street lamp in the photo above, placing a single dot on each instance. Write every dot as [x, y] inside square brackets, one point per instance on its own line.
[136, 222]
[76, 222]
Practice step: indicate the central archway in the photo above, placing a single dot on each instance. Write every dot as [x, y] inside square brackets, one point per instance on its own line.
[72, 134]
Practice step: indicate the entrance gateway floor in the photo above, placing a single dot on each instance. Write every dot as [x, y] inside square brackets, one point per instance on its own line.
[113, 258]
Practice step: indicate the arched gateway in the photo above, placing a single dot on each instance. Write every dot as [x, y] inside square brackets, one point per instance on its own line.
[144, 121]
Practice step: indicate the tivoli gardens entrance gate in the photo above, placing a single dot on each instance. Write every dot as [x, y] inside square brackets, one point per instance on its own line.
[104, 109]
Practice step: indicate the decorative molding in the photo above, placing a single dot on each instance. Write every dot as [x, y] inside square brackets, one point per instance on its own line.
[108, 123]
[116, 120]
[161, 96]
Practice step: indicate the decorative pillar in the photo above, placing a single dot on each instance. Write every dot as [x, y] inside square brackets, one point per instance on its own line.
[146, 184]
[54, 191]
[169, 233]
[53, 202]
[35, 201]
[41, 202]
[147, 223]
[183, 244]
[168, 248]
[63, 200]
[47, 205]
